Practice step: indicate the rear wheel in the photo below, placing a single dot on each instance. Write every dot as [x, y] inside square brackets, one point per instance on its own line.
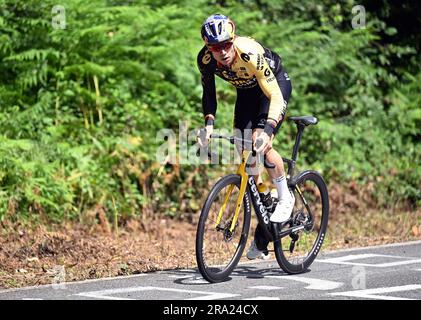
[296, 251]
[218, 247]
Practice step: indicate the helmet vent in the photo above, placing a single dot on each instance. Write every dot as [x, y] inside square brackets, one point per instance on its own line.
[217, 28]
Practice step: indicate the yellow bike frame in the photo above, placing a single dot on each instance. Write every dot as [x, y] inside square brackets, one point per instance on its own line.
[244, 176]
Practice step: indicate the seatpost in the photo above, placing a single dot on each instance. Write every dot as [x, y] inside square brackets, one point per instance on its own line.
[300, 128]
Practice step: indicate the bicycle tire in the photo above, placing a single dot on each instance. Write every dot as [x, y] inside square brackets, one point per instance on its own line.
[213, 271]
[295, 262]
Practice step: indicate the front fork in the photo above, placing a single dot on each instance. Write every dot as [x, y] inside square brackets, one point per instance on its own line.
[243, 187]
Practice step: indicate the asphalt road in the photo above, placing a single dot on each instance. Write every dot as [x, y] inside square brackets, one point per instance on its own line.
[389, 272]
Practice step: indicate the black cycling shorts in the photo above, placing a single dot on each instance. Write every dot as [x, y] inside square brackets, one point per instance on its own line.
[252, 106]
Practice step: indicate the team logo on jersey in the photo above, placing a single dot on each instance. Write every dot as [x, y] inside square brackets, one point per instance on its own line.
[243, 73]
[270, 79]
[206, 58]
[267, 72]
[229, 74]
[259, 62]
[261, 123]
[244, 83]
[245, 57]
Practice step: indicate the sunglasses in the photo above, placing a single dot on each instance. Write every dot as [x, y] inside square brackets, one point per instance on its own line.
[221, 46]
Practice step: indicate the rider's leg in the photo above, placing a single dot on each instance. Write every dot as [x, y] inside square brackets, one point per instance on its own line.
[260, 242]
[286, 201]
[279, 171]
[273, 157]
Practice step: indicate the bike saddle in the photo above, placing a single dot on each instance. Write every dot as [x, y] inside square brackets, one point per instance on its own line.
[305, 120]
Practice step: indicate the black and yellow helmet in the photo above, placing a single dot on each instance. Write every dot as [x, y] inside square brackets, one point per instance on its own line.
[217, 28]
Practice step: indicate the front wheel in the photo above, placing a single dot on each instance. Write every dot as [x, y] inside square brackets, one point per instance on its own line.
[297, 250]
[220, 242]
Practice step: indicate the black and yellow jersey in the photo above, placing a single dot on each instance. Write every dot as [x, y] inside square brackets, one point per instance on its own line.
[253, 65]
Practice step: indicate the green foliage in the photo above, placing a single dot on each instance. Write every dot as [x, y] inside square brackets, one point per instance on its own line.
[80, 107]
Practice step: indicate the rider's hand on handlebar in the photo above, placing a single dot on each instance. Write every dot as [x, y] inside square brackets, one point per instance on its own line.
[263, 143]
[203, 139]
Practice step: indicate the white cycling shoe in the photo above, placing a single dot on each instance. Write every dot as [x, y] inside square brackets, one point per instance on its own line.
[283, 209]
[254, 253]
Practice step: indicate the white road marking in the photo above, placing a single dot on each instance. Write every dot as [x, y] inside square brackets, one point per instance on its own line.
[376, 293]
[313, 284]
[272, 261]
[347, 260]
[265, 288]
[108, 294]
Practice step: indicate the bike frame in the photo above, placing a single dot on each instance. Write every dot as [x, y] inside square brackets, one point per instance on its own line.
[248, 184]
[291, 162]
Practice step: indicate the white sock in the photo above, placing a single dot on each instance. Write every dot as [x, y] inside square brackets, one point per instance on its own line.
[282, 187]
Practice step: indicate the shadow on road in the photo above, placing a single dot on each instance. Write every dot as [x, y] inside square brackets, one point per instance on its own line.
[194, 278]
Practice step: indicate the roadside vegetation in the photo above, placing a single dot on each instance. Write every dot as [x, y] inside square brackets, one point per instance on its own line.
[85, 91]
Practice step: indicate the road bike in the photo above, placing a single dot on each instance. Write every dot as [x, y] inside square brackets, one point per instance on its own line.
[225, 218]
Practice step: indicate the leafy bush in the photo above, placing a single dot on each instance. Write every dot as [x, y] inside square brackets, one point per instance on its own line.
[81, 106]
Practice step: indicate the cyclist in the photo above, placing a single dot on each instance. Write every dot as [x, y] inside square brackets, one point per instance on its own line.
[263, 91]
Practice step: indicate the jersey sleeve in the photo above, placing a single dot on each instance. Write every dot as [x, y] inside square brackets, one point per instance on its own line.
[209, 103]
[270, 87]
[252, 53]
